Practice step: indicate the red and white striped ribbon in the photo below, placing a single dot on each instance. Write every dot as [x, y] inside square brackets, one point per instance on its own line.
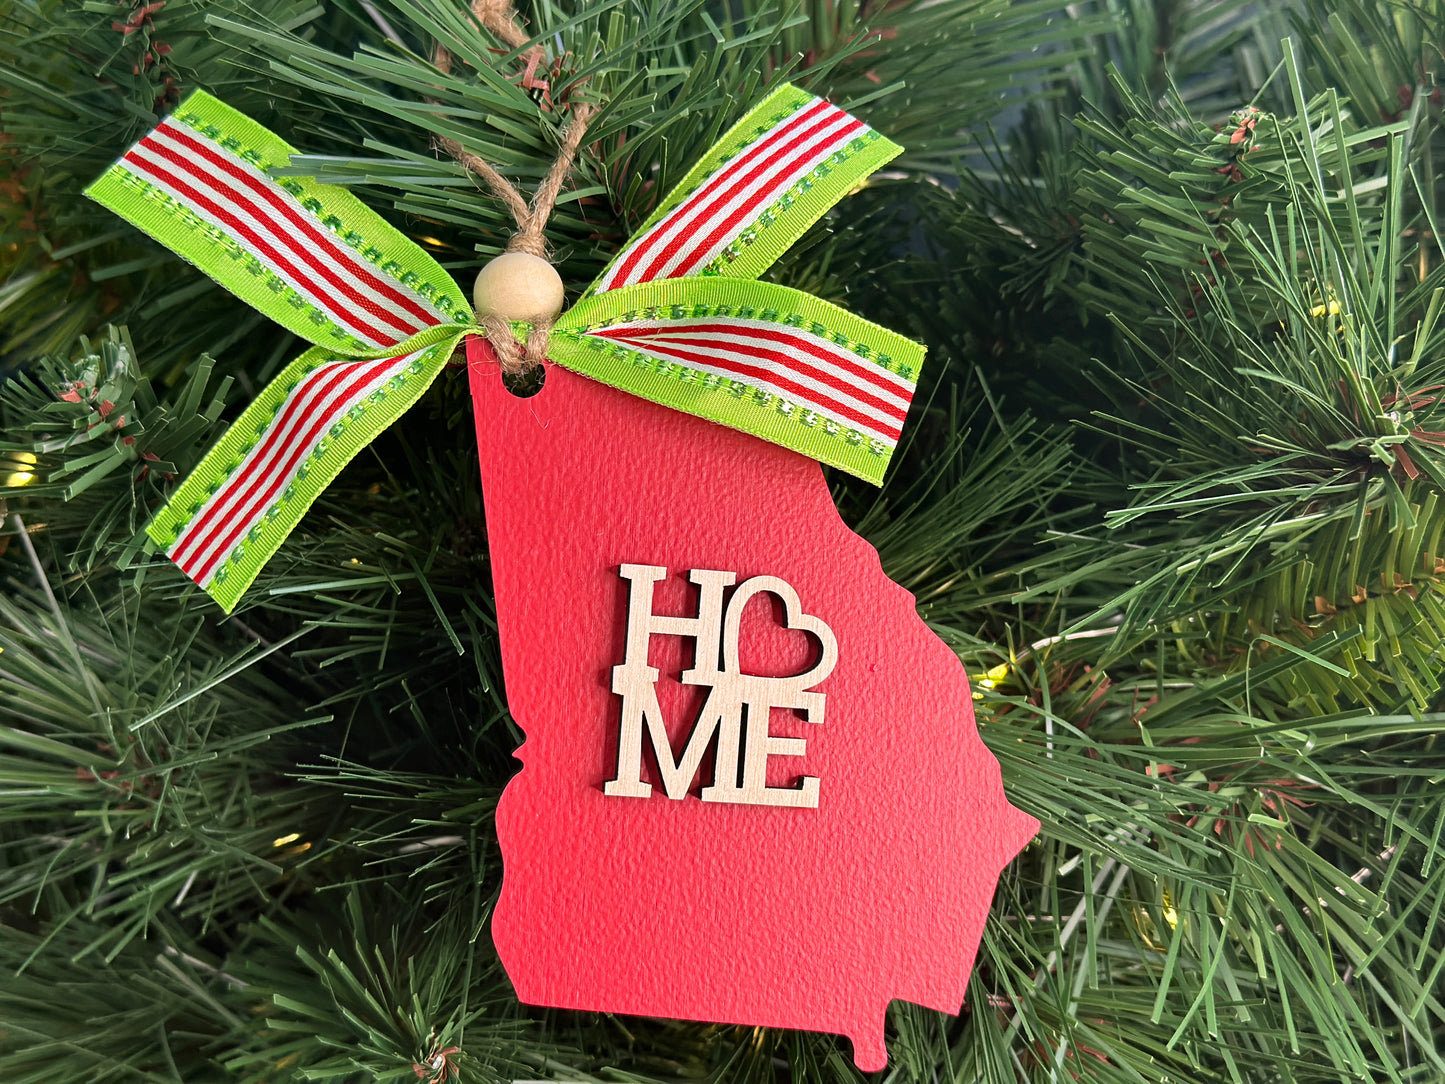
[312, 257]
[318, 401]
[803, 368]
[699, 228]
[240, 200]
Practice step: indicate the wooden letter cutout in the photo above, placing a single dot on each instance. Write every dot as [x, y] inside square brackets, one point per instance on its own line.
[738, 705]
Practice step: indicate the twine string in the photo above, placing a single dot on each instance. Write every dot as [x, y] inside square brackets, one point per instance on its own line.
[531, 219]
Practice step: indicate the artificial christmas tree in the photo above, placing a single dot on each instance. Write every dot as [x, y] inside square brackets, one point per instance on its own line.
[1170, 489]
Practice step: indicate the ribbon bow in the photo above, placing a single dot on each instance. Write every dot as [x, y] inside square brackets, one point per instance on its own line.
[678, 317]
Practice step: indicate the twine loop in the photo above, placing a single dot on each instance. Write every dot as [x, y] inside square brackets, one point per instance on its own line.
[531, 219]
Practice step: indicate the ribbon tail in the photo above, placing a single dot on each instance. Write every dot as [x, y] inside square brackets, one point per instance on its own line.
[249, 492]
[772, 361]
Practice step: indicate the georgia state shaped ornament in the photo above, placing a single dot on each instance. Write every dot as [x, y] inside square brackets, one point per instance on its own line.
[752, 788]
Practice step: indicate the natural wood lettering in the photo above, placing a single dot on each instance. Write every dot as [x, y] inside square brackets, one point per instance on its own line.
[738, 705]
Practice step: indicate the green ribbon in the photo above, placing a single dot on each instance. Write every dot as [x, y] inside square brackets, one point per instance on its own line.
[208, 183]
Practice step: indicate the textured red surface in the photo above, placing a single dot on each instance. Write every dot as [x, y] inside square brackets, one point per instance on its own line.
[794, 918]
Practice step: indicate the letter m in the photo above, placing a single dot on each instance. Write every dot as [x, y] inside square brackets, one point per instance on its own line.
[636, 683]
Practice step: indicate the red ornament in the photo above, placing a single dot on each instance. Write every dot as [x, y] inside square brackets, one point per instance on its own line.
[721, 903]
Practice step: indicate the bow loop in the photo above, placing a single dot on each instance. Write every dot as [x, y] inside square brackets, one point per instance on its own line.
[770, 177]
[208, 184]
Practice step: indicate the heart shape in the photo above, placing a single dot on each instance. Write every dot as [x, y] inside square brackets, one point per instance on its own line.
[793, 620]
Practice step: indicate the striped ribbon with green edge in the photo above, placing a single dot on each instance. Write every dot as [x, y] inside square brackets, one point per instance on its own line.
[841, 165]
[677, 318]
[733, 401]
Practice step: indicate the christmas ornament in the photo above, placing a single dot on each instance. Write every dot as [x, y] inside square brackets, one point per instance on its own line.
[682, 612]
[752, 789]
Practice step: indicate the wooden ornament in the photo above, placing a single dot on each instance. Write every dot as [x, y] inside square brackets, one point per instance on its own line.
[520, 287]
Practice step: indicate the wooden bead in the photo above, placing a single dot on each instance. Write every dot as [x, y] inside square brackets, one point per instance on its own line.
[518, 286]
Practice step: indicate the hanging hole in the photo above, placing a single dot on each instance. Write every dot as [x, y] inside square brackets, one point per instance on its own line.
[526, 383]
